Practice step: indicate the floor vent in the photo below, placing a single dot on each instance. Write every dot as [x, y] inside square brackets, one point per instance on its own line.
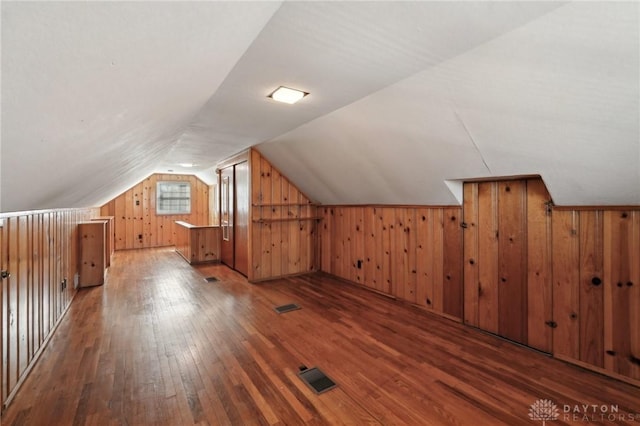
[211, 279]
[286, 308]
[316, 380]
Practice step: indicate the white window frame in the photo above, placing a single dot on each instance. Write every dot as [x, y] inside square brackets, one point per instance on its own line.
[173, 198]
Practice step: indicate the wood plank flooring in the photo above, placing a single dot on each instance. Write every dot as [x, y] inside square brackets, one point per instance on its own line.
[158, 345]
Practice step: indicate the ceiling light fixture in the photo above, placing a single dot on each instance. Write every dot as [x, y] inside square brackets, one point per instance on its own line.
[186, 164]
[287, 95]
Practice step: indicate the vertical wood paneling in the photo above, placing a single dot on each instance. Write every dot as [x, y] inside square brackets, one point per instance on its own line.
[241, 218]
[412, 253]
[437, 302]
[285, 226]
[591, 309]
[284, 231]
[634, 296]
[398, 260]
[369, 247]
[512, 288]
[358, 245]
[488, 256]
[276, 227]
[620, 272]
[411, 271]
[136, 224]
[452, 295]
[387, 245]
[425, 257]
[539, 286]
[566, 283]
[255, 230]
[471, 253]
[39, 251]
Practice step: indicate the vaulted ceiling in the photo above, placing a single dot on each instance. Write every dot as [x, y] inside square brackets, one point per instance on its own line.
[407, 99]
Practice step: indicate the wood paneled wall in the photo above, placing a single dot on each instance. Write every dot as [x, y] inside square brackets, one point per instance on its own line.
[283, 227]
[40, 251]
[136, 223]
[563, 281]
[412, 253]
[596, 288]
[507, 255]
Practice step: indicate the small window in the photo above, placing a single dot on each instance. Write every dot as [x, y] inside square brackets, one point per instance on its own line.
[173, 198]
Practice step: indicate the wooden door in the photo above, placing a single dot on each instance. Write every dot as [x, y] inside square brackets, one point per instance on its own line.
[512, 280]
[241, 218]
[507, 272]
[226, 215]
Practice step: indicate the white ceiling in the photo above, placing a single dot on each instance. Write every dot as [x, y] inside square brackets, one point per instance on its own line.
[405, 97]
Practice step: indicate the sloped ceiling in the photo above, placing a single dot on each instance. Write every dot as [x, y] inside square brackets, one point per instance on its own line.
[407, 98]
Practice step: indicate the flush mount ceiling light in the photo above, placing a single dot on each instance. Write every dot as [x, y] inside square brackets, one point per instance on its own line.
[287, 95]
[187, 164]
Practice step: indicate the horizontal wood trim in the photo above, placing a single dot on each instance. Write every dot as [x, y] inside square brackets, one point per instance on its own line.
[597, 208]
[190, 226]
[395, 206]
[5, 215]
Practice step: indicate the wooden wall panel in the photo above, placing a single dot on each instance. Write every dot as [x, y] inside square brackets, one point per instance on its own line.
[283, 229]
[512, 284]
[411, 253]
[566, 283]
[136, 224]
[621, 259]
[488, 256]
[471, 255]
[591, 291]
[40, 251]
[452, 295]
[576, 272]
[539, 286]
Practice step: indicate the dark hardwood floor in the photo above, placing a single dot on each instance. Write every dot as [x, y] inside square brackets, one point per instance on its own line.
[158, 345]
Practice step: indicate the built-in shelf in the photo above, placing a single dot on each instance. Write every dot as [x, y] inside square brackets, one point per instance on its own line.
[296, 212]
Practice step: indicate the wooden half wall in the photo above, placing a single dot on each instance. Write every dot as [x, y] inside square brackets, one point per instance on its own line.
[411, 253]
[136, 223]
[562, 280]
[40, 252]
[283, 227]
